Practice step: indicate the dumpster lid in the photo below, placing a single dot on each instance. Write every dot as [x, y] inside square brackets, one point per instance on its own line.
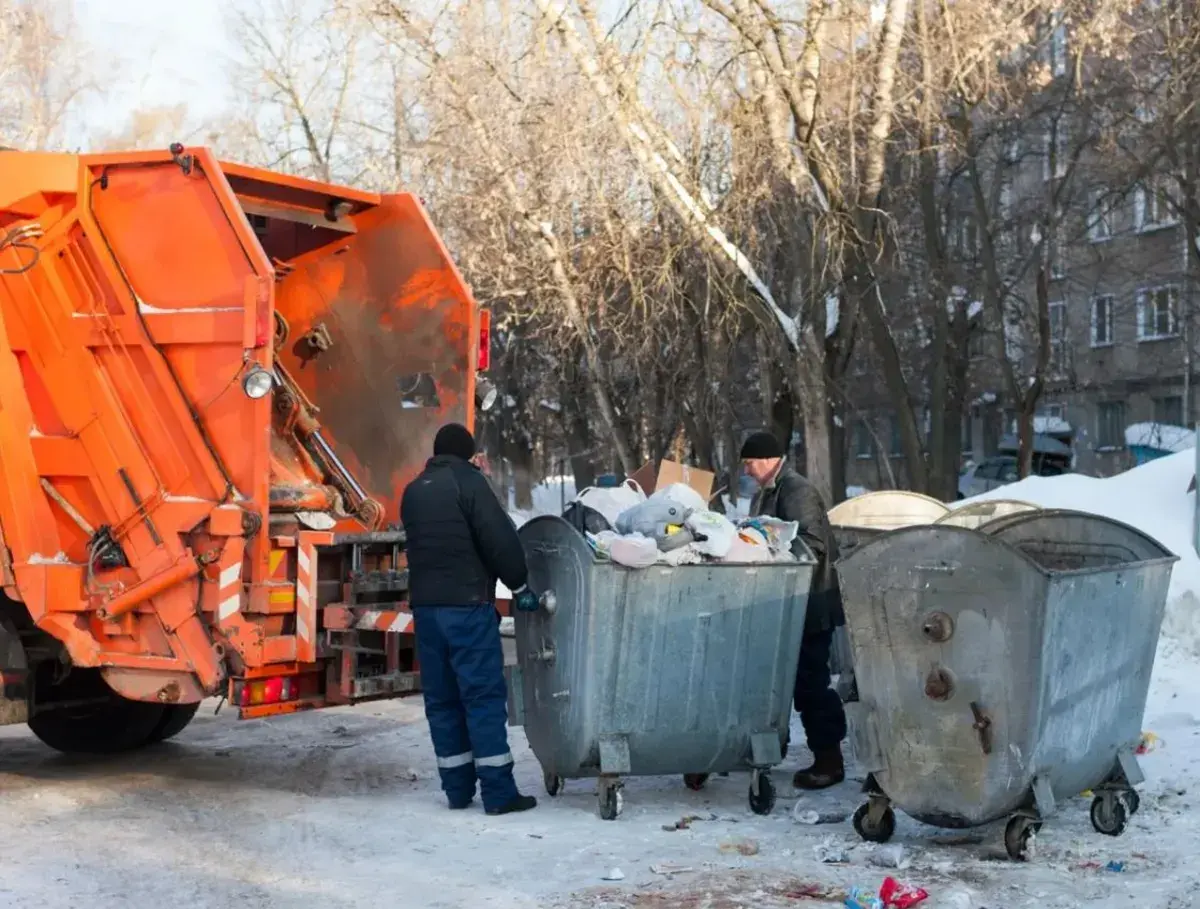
[1063, 540]
[973, 514]
[887, 509]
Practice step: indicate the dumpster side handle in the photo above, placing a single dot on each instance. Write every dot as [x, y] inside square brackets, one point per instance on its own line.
[983, 725]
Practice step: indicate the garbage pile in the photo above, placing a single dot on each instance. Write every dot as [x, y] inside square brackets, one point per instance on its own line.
[674, 526]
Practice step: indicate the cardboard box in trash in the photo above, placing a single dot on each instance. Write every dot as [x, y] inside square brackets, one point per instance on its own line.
[651, 477]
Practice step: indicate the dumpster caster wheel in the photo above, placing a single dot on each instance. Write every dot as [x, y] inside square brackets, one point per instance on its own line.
[554, 784]
[873, 832]
[762, 794]
[611, 802]
[1109, 814]
[1019, 836]
[1132, 801]
[695, 781]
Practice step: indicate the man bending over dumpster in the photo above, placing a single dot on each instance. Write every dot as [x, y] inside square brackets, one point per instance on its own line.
[459, 542]
[787, 495]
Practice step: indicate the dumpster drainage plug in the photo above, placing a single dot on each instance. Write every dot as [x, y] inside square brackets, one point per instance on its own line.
[938, 628]
[939, 685]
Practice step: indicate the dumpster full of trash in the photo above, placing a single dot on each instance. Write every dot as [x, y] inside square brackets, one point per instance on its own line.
[666, 669]
[1002, 669]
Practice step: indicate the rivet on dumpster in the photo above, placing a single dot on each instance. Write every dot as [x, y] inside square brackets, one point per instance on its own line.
[1002, 669]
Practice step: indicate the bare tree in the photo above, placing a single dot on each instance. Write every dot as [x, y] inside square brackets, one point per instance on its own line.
[45, 72]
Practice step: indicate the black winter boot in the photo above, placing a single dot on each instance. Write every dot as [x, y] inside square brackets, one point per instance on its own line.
[827, 770]
[520, 803]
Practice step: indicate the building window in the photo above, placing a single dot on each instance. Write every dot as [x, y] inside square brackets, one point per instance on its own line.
[1110, 425]
[1006, 197]
[1099, 216]
[1152, 207]
[895, 447]
[1059, 351]
[1102, 321]
[1156, 313]
[1058, 45]
[862, 441]
[1168, 410]
[964, 237]
[1055, 162]
[1056, 266]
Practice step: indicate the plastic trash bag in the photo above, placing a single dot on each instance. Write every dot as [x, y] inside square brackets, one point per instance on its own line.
[714, 533]
[586, 519]
[611, 503]
[652, 518]
[779, 534]
[744, 552]
[632, 550]
[680, 494]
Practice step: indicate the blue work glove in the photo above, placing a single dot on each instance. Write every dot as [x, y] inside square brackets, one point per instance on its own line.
[525, 599]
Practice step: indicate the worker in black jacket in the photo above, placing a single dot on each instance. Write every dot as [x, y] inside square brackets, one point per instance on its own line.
[460, 541]
[790, 497]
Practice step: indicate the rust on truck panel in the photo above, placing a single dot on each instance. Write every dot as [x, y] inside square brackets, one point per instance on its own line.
[398, 319]
[122, 346]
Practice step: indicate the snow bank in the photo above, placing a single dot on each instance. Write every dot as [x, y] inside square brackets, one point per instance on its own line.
[1154, 499]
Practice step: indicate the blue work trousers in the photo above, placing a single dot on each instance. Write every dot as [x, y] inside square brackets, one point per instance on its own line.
[466, 701]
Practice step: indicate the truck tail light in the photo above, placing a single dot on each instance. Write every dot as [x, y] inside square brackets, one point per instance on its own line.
[274, 690]
[485, 341]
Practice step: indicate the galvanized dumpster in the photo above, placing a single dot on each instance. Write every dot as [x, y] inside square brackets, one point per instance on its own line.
[670, 669]
[1002, 669]
[855, 522]
[976, 514]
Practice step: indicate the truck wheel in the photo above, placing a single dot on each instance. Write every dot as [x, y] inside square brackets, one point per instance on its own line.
[174, 720]
[94, 719]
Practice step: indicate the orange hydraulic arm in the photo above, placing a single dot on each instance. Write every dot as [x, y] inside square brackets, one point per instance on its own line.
[209, 374]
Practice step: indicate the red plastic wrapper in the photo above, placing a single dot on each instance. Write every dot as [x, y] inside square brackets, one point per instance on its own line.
[897, 895]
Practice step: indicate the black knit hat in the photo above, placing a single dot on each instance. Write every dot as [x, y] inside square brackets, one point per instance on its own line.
[454, 439]
[761, 446]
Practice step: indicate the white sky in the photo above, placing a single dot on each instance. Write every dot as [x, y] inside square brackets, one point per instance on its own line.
[164, 52]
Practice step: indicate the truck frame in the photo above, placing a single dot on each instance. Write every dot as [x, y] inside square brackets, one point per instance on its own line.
[215, 382]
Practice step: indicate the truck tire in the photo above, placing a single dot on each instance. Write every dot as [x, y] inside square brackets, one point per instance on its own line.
[174, 720]
[105, 723]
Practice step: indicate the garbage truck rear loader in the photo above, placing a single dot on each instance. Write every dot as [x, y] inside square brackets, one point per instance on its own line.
[215, 382]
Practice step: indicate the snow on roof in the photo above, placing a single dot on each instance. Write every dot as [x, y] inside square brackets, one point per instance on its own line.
[1162, 436]
[1051, 425]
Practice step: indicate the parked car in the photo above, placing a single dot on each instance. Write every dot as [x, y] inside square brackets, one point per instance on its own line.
[1000, 470]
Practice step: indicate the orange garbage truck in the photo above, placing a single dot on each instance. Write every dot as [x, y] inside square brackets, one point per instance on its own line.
[215, 382]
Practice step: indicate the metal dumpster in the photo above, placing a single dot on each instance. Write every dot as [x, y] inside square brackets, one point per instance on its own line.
[856, 521]
[976, 514]
[1002, 669]
[662, 670]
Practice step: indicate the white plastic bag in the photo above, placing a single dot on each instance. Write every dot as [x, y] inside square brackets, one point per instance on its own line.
[717, 530]
[744, 552]
[681, 494]
[779, 533]
[612, 502]
[632, 551]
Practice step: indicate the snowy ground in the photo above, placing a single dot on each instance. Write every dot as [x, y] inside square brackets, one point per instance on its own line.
[341, 809]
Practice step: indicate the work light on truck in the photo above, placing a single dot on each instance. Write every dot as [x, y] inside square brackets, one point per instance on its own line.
[485, 393]
[257, 382]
